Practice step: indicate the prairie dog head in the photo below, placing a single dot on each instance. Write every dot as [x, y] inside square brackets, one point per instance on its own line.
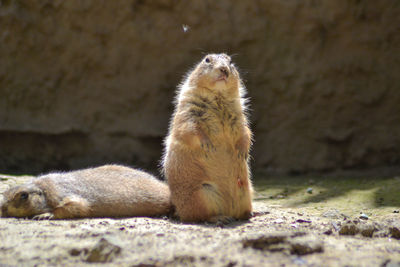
[23, 201]
[216, 72]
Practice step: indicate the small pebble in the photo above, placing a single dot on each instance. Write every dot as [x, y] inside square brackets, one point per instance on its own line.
[103, 251]
[396, 211]
[336, 226]
[77, 252]
[309, 190]
[349, 229]
[364, 216]
[395, 231]
[367, 230]
[328, 232]
[303, 221]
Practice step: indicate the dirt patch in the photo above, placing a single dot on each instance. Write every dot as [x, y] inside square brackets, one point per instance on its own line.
[298, 243]
[279, 234]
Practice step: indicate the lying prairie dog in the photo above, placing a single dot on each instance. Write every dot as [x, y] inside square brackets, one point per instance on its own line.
[106, 191]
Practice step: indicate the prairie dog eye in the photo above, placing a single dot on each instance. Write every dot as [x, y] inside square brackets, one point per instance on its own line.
[24, 196]
[207, 60]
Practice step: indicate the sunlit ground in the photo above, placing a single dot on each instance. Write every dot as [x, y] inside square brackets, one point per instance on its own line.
[349, 195]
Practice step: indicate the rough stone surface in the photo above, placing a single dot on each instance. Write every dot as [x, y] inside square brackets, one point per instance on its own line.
[88, 82]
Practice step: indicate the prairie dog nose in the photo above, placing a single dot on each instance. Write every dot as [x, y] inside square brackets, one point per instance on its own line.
[224, 70]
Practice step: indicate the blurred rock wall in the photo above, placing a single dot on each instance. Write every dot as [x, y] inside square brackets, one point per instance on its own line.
[89, 82]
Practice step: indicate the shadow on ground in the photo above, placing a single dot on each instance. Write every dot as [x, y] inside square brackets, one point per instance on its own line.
[340, 189]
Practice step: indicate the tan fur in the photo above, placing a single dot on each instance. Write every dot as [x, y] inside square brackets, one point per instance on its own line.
[107, 191]
[206, 151]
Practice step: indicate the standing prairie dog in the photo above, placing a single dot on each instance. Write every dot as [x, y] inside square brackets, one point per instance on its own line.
[107, 191]
[206, 151]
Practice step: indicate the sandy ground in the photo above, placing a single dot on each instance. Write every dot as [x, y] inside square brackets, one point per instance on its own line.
[315, 233]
